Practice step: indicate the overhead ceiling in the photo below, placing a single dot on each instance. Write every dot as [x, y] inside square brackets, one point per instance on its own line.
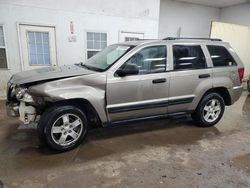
[216, 3]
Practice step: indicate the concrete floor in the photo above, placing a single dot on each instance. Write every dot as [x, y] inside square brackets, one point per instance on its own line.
[162, 153]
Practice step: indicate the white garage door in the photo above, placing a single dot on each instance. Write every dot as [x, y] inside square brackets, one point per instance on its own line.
[239, 38]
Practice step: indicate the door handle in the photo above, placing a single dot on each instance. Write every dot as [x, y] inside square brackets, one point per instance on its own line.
[161, 80]
[204, 76]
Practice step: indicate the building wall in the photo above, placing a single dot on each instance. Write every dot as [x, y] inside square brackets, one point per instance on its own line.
[239, 14]
[189, 20]
[99, 15]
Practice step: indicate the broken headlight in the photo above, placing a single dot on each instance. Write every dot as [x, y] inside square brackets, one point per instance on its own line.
[23, 95]
[20, 92]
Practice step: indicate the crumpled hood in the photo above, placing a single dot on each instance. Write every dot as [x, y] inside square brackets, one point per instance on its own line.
[48, 73]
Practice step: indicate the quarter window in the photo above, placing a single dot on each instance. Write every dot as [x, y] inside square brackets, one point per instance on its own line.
[188, 57]
[150, 60]
[3, 58]
[220, 56]
[95, 43]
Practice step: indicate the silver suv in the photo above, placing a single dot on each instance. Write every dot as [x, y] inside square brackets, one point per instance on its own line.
[128, 81]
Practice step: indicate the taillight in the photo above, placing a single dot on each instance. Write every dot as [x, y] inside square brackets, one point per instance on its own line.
[241, 74]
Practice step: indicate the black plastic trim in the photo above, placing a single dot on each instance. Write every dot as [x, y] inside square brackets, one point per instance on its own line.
[181, 101]
[153, 117]
[150, 105]
[138, 107]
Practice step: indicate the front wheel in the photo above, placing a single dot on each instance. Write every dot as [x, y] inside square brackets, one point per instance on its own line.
[63, 127]
[209, 111]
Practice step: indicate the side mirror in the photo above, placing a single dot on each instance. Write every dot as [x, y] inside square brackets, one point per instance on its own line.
[128, 69]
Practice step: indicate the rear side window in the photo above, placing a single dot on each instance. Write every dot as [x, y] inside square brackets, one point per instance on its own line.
[221, 56]
[188, 57]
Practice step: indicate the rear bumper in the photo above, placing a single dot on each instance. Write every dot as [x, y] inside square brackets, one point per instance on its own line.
[12, 109]
[235, 93]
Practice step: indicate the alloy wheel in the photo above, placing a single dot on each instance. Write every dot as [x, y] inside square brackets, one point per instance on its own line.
[212, 110]
[66, 129]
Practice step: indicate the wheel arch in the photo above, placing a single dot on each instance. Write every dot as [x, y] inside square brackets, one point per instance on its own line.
[86, 106]
[223, 92]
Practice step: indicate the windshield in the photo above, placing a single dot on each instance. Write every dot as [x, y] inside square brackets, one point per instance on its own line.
[106, 58]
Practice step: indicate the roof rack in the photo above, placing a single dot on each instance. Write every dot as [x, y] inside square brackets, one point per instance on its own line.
[179, 38]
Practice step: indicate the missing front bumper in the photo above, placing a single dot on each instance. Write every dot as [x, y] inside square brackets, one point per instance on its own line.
[12, 109]
[27, 114]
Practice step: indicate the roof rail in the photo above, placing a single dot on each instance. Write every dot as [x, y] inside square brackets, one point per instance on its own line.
[179, 38]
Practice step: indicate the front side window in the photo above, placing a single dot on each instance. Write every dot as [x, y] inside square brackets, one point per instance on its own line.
[3, 59]
[150, 59]
[106, 58]
[188, 57]
[95, 43]
[220, 56]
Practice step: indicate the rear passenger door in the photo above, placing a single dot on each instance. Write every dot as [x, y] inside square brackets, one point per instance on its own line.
[191, 77]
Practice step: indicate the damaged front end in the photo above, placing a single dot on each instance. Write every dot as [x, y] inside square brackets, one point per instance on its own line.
[21, 104]
[30, 93]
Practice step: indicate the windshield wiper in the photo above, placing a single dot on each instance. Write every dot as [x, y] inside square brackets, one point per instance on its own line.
[89, 67]
[83, 65]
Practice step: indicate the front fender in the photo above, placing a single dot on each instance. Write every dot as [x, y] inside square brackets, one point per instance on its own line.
[74, 88]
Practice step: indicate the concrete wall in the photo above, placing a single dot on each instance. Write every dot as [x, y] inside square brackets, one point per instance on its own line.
[239, 14]
[111, 16]
[192, 20]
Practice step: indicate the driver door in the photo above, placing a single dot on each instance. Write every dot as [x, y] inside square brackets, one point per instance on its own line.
[144, 94]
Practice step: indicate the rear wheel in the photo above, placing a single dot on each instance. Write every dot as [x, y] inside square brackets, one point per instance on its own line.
[63, 127]
[209, 111]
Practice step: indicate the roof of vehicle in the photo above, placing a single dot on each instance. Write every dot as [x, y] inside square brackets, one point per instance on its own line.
[172, 40]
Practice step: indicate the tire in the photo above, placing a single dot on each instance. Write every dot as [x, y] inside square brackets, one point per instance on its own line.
[63, 127]
[209, 111]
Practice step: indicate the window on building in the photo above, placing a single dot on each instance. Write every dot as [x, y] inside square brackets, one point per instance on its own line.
[131, 39]
[38, 43]
[95, 43]
[150, 59]
[188, 57]
[220, 56]
[3, 58]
